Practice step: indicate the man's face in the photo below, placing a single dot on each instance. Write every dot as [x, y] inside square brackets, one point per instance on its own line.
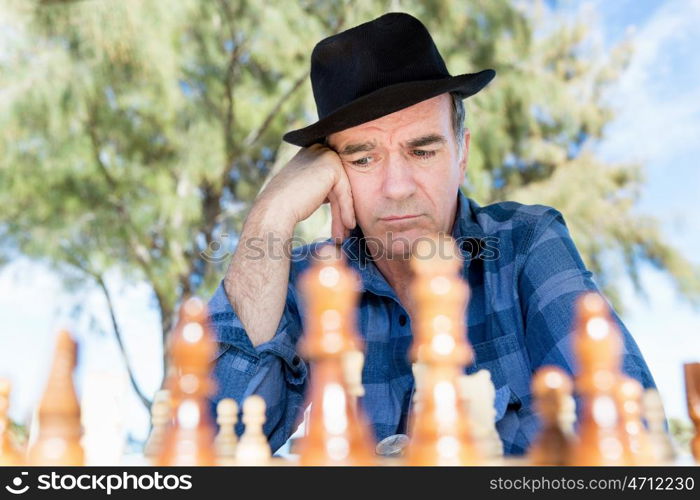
[404, 170]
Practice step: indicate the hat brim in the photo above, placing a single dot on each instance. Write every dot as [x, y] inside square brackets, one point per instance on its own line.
[385, 101]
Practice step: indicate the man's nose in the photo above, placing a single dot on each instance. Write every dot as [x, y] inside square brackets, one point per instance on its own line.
[398, 183]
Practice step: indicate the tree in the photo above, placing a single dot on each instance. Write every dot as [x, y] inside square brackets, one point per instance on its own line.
[136, 133]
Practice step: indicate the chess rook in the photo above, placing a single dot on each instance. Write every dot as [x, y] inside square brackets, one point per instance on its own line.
[337, 432]
[441, 429]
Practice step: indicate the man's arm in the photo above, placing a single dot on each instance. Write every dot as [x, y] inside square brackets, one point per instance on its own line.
[254, 311]
[257, 278]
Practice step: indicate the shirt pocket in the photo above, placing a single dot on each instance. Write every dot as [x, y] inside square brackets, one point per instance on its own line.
[503, 357]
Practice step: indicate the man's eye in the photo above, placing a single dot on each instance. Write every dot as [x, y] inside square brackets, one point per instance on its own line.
[362, 161]
[423, 153]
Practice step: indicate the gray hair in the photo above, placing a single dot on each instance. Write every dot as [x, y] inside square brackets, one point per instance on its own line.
[458, 116]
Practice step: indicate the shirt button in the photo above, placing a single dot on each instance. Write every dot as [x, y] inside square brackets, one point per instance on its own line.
[402, 320]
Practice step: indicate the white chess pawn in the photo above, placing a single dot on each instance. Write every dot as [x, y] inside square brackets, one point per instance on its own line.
[253, 448]
[479, 395]
[160, 418]
[226, 440]
[661, 444]
[567, 415]
[353, 362]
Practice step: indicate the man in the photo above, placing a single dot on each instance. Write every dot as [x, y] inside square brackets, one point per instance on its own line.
[389, 154]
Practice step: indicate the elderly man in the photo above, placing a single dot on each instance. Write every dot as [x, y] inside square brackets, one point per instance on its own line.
[389, 154]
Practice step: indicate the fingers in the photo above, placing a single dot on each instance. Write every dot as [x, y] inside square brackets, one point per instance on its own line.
[338, 229]
[343, 196]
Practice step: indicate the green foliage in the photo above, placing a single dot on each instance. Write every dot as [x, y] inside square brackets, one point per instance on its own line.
[136, 132]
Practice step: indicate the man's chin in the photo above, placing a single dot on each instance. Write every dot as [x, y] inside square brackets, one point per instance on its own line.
[398, 244]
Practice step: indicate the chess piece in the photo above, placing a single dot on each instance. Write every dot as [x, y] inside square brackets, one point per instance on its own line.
[59, 430]
[629, 394]
[598, 347]
[441, 426]
[551, 389]
[353, 361]
[691, 373]
[661, 444]
[479, 397]
[161, 412]
[226, 439]
[189, 439]
[253, 448]
[337, 433]
[9, 452]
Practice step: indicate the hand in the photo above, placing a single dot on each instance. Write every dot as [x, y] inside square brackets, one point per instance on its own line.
[314, 176]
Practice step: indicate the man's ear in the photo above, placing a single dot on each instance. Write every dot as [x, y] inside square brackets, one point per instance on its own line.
[465, 152]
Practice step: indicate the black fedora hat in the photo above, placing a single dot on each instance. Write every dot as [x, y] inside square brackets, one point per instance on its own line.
[375, 69]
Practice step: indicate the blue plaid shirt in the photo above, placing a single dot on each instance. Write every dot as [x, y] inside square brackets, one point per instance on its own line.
[524, 273]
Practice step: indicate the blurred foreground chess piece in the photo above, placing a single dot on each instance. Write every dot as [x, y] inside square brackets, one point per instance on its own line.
[353, 363]
[161, 413]
[479, 396]
[189, 439]
[661, 444]
[59, 428]
[253, 448]
[337, 432]
[598, 348]
[441, 432]
[9, 452]
[691, 373]
[629, 394]
[551, 389]
[226, 440]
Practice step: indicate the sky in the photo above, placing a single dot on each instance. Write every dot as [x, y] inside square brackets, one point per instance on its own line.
[657, 124]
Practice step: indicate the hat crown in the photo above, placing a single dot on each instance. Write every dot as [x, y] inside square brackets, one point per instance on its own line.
[394, 48]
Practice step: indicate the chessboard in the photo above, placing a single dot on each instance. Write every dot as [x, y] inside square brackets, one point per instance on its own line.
[452, 421]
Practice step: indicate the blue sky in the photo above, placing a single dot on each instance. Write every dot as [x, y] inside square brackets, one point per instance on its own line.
[658, 124]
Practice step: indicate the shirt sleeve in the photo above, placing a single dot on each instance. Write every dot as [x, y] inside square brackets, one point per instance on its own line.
[552, 279]
[272, 370]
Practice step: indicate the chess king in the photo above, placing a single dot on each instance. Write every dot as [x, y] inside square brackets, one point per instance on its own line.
[389, 153]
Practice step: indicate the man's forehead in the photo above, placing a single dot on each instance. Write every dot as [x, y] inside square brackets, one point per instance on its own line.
[427, 117]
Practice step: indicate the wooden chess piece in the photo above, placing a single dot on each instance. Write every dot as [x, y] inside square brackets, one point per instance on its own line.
[226, 440]
[353, 362]
[478, 394]
[59, 429]
[629, 394]
[161, 413]
[253, 448]
[189, 439]
[441, 432]
[661, 444]
[691, 372]
[551, 389]
[9, 452]
[598, 347]
[337, 433]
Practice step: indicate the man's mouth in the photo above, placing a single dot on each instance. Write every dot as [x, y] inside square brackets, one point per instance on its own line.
[396, 218]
